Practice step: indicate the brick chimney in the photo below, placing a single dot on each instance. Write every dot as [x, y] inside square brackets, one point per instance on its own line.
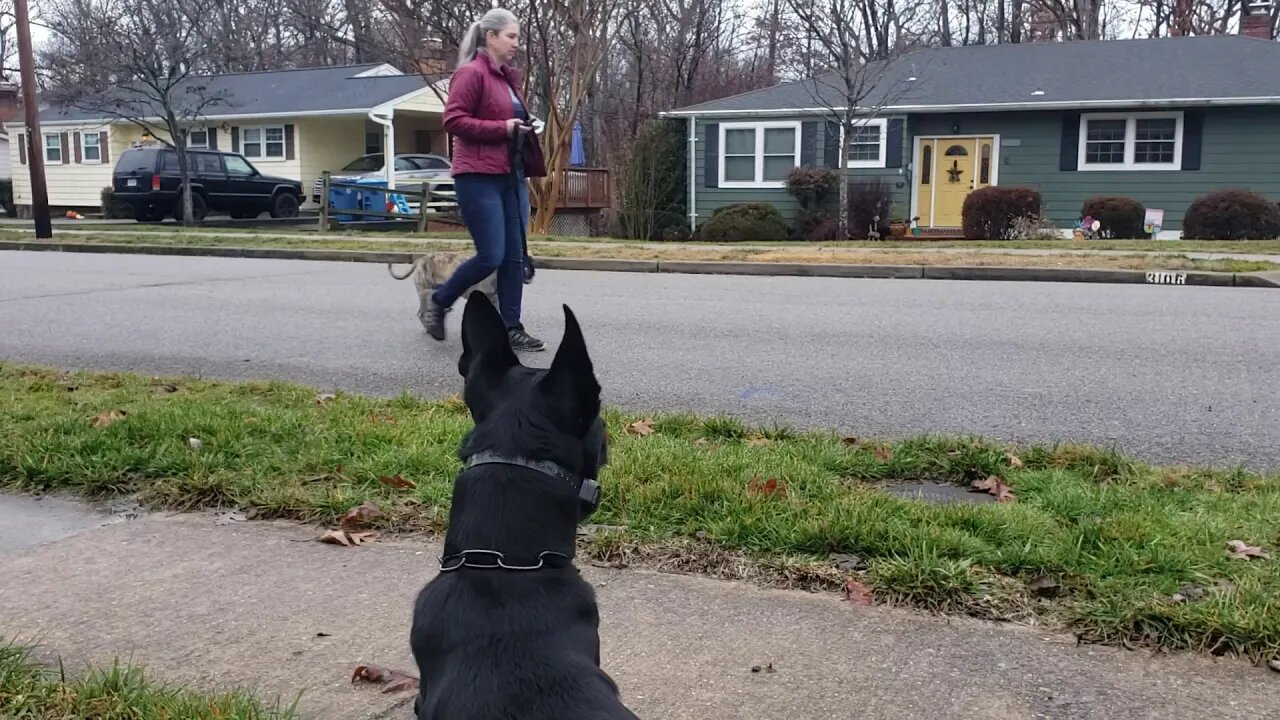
[8, 102]
[1255, 19]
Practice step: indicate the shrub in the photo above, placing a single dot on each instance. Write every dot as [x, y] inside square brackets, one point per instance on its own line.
[6, 198]
[869, 199]
[1232, 215]
[1118, 217]
[652, 191]
[758, 222]
[990, 213]
[817, 191]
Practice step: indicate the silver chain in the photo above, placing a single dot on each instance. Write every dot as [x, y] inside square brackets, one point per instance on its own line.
[500, 562]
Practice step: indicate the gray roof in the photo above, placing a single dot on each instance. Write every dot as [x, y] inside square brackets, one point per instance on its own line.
[281, 92]
[1229, 68]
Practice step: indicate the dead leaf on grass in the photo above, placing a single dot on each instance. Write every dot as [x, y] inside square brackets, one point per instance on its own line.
[640, 428]
[758, 440]
[323, 398]
[883, 454]
[394, 680]
[993, 485]
[358, 517]
[858, 594]
[165, 387]
[760, 486]
[342, 537]
[107, 417]
[1044, 586]
[1241, 551]
[397, 482]
[1014, 460]
[375, 418]
[701, 441]
[851, 441]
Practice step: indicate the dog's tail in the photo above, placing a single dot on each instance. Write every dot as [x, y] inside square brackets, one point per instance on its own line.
[400, 277]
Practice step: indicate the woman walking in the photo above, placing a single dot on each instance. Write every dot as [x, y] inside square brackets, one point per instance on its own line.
[494, 150]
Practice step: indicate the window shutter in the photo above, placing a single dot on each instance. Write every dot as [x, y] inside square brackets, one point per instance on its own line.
[1070, 148]
[831, 145]
[63, 143]
[79, 152]
[808, 144]
[711, 156]
[22, 148]
[213, 138]
[1192, 139]
[235, 139]
[288, 142]
[104, 147]
[893, 144]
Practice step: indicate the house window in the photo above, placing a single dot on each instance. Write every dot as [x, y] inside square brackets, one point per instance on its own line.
[53, 148]
[1142, 141]
[865, 146]
[263, 143]
[758, 154]
[198, 139]
[926, 165]
[984, 174]
[90, 148]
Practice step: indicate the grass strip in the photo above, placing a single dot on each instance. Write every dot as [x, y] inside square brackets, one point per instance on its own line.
[792, 253]
[31, 691]
[1121, 551]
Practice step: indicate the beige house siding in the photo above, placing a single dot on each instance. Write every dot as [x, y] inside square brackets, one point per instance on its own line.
[427, 102]
[70, 184]
[327, 144]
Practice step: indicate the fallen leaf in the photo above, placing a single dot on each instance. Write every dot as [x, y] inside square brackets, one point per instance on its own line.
[107, 417]
[397, 482]
[1274, 664]
[771, 486]
[342, 537]
[1044, 586]
[394, 680]
[883, 453]
[993, 485]
[358, 517]
[1188, 593]
[758, 440]
[640, 428]
[849, 563]
[858, 594]
[702, 441]
[849, 440]
[1240, 551]
[166, 387]
[375, 418]
[194, 443]
[250, 420]
[1014, 460]
[322, 398]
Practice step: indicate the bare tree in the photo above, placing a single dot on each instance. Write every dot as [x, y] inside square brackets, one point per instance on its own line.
[135, 61]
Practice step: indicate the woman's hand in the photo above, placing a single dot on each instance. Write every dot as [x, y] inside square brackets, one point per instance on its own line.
[513, 125]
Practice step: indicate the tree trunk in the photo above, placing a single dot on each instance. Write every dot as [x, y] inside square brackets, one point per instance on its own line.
[184, 174]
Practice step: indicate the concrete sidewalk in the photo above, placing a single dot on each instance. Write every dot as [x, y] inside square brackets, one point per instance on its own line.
[264, 605]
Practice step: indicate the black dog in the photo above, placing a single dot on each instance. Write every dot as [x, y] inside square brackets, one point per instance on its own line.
[509, 630]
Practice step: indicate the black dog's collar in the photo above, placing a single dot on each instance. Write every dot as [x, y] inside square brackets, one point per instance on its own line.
[587, 489]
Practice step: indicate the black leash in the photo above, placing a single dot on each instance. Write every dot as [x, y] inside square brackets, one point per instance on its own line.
[516, 146]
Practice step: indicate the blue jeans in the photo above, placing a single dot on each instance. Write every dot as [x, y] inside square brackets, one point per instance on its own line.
[495, 214]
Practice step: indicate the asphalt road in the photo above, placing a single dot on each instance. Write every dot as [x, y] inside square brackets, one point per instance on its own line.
[1171, 374]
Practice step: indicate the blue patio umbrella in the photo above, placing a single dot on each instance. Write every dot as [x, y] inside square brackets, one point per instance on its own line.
[577, 152]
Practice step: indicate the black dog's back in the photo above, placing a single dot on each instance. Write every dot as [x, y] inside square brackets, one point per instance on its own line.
[519, 642]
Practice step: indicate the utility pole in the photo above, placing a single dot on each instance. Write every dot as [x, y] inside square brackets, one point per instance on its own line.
[35, 143]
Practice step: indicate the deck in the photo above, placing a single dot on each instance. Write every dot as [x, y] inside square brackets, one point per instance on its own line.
[583, 188]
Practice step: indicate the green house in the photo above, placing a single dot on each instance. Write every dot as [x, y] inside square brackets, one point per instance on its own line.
[1159, 120]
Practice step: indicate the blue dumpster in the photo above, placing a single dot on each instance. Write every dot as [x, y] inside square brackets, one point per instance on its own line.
[341, 198]
[374, 200]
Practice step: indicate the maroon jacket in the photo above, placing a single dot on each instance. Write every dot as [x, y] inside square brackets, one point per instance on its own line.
[476, 116]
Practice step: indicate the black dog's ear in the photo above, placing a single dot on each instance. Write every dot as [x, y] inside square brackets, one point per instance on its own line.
[485, 344]
[571, 377]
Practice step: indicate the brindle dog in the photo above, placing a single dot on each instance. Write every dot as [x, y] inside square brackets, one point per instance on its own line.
[432, 270]
[509, 629]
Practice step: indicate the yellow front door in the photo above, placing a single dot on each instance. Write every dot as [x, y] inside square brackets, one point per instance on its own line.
[950, 169]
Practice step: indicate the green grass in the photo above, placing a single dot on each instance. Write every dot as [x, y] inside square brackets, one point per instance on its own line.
[30, 691]
[1147, 245]
[1119, 537]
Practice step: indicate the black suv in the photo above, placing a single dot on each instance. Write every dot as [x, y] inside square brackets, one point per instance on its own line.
[147, 179]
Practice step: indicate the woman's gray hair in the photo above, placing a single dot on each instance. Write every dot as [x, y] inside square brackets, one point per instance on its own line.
[496, 20]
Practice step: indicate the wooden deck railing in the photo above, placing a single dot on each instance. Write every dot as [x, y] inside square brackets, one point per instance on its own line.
[583, 188]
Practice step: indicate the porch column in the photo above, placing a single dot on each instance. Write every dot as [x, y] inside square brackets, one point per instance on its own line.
[389, 148]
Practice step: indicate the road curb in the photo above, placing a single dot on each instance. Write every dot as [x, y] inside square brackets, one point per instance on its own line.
[1270, 279]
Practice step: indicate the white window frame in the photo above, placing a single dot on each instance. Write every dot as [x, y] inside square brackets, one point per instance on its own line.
[57, 145]
[759, 127]
[84, 147]
[883, 124]
[264, 157]
[1130, 142]
[194, 146]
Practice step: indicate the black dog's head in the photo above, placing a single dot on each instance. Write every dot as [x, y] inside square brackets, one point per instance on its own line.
[550, 415]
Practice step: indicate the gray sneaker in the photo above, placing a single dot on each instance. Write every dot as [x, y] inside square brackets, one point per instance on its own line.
[432, 317]
[521, 340]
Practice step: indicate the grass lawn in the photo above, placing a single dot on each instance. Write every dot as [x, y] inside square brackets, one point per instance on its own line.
[790, 253]
[1144, 245]
[1120, 551]
[31, 691]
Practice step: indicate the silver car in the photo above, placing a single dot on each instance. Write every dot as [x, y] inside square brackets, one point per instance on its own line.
[413, 172]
